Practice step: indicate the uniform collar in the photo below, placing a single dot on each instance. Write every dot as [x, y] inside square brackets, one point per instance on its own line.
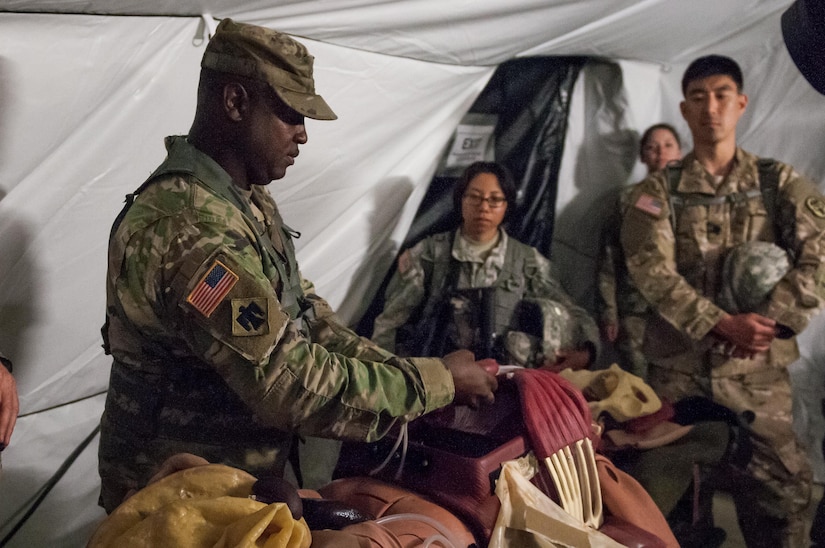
[696, 179]
[461, 252]
[183, 157]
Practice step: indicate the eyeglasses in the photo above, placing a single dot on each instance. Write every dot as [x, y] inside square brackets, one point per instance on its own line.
[493, 201]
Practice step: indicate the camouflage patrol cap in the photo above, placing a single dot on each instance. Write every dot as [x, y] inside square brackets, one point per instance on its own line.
[271, 57]
[749, 274]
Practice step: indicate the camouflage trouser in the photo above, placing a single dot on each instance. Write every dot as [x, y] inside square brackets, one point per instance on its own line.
[127, 460]
[773, 492]
[629, 345]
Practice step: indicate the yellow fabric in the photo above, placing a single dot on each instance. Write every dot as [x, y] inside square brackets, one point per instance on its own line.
[206, 506]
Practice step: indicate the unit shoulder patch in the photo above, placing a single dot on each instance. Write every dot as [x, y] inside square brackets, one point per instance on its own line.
[250, 317]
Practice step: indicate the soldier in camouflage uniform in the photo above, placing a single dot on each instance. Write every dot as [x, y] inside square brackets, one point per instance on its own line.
[681, 225]
[622, 309]
[480, 254]
[221, 349]
[9, 405]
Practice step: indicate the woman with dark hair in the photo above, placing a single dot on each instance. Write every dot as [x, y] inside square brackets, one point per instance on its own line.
[506, 186]
[660, 144]
[477, 288]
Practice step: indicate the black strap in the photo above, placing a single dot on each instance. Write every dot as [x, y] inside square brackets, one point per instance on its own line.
[436, 312]
[768, 189]
[769, 185]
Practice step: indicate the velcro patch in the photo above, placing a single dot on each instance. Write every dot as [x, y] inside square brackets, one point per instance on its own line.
[649, 204]
[250, 317]
[212, 288]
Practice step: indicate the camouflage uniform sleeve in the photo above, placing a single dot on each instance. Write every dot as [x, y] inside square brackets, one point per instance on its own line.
[405, 292]
[649, 247]
[291, 382]
[801, 214]
[543, 284]
[327, 329]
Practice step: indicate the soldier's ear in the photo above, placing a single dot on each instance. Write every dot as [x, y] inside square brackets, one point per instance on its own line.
[235, 101]
[743, 101]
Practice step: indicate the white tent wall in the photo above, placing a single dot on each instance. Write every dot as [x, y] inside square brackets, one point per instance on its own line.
[81, 127]
[87, 95]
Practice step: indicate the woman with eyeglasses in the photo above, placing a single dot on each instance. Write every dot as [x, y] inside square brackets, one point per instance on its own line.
[477, 288]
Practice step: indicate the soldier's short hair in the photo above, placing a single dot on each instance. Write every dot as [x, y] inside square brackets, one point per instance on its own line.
[712, 65]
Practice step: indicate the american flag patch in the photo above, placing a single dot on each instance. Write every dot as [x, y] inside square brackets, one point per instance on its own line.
[212, 288]
[649, 204]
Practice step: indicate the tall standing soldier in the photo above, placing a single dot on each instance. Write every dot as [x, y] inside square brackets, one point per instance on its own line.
[220, 347]
[681, 225]
[803, 30]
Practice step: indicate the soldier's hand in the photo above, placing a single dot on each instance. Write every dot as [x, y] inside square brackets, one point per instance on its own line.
[9, 406]
[751, 333]
[473, 384]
